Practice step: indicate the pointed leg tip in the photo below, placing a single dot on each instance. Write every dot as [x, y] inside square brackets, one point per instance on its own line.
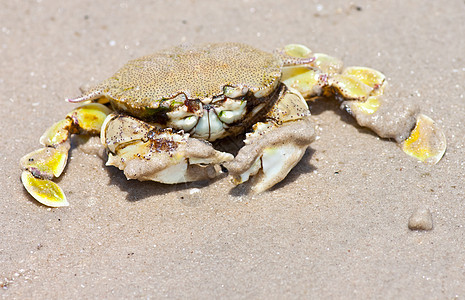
[43, 190]
[427, 142]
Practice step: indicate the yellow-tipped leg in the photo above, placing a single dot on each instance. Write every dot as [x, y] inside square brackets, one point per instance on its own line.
[357, 83]
[45, 191]
[308, 77]
[362, 92]
[41, 166]
[427, 142]
[305, 80]
[368, 76]
[57, 133]
[89, 117]
[369, 107]
[349, 87]
[46, 162]
[297, 51]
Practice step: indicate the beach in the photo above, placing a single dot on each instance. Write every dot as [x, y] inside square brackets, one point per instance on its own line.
[336, 227]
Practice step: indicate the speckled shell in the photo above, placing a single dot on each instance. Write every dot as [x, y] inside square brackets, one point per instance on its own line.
[198, 72]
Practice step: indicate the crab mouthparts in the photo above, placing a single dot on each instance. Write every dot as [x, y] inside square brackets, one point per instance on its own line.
[209, 126]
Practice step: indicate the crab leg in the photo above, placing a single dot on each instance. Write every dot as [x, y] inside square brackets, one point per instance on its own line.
[275, 146]
[41, 166]
[148, 152]
[362, 92]
[417, 134]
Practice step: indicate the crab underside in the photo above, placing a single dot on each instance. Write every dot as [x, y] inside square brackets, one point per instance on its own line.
[158, 116]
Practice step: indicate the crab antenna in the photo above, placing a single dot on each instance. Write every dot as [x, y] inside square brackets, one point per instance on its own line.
[87, 97]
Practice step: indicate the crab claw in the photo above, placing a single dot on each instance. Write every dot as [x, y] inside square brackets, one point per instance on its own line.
[42, 165]
[270, 153]
[274, 147]
[146, 152]
[426, 142]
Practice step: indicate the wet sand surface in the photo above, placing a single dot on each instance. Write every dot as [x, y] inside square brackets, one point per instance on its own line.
[336, 227]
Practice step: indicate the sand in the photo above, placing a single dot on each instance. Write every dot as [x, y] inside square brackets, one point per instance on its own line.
[336, 227]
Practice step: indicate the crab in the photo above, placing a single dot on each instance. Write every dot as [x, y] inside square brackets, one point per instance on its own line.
[164, 117]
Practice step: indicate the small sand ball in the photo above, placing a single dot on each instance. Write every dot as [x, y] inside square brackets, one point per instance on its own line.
[421, 219]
